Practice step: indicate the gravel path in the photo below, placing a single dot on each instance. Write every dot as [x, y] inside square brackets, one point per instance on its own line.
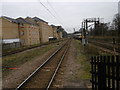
[67, 75]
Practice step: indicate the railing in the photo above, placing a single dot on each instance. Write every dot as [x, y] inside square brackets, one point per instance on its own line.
[105, 72]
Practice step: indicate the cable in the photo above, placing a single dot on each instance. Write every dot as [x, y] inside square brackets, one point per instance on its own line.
[46, 8]
[53, 9]
[61, 20]
[50, 11]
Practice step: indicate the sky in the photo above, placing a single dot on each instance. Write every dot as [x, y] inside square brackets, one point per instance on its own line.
[67, 13]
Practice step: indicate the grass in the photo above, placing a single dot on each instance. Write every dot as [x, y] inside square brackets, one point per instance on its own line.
[83, 56]
[27, 47]
[18, 59]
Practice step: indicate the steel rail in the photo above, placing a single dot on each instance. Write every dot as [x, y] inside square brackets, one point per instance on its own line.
[20, 85]
[55, 72]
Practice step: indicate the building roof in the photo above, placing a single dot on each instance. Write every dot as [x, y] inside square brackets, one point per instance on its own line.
[10, 19]
[39, 20]
[76, 32]
[31, 20]
[60, 29]
[23, 21]
[54, 26]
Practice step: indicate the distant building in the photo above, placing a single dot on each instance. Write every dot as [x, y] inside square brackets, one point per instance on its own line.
[55, 34]
[45, 29]
[59, 32]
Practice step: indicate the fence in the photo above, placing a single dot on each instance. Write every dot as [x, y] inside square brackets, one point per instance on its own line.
[10, 45]
[105, 72]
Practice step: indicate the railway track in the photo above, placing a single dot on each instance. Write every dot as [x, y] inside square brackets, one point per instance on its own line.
[106, 46]
[44, 75]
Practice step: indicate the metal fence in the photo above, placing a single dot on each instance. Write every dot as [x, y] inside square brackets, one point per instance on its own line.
[10, 45]
[105, 72]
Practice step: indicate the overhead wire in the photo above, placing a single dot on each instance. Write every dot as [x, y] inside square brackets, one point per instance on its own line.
[53, 9]
[50, 11]
[61, 20]
[46, 8]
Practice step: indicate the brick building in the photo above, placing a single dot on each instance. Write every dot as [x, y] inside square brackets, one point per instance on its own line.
[29, 32]
[59, 32]
[55, 31]
[9, 28]
[45, 30]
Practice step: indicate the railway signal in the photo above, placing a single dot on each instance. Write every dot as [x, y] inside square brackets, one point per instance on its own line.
[85, 26]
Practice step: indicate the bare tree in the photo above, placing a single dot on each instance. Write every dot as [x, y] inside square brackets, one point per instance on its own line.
[116, 22]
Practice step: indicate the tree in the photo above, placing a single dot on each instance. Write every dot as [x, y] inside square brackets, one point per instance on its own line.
[116, 23]
[100, 30]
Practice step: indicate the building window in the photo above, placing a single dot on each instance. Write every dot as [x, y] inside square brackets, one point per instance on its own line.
[22, 33]
[21, 24]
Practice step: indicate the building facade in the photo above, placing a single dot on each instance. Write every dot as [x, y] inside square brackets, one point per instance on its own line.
[9, 28]
[55, 31]
[29, 32]
[46, 31]
[59, 32]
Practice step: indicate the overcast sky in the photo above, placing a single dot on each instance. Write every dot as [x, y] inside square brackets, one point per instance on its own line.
[68, 13]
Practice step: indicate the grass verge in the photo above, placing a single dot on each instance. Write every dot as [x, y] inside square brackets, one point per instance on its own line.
[15, 60]
[83, 57]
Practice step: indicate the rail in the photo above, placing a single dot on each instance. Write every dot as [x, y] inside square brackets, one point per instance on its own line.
[41, 66]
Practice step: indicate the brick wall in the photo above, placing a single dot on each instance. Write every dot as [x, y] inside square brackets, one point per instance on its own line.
[9, 29]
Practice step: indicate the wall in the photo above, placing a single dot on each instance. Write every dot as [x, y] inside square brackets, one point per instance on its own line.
[33, 35]
[55, 35]
[9, 29]
[59, 35]
[29, 34]
[11, 45]
[46, 31]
